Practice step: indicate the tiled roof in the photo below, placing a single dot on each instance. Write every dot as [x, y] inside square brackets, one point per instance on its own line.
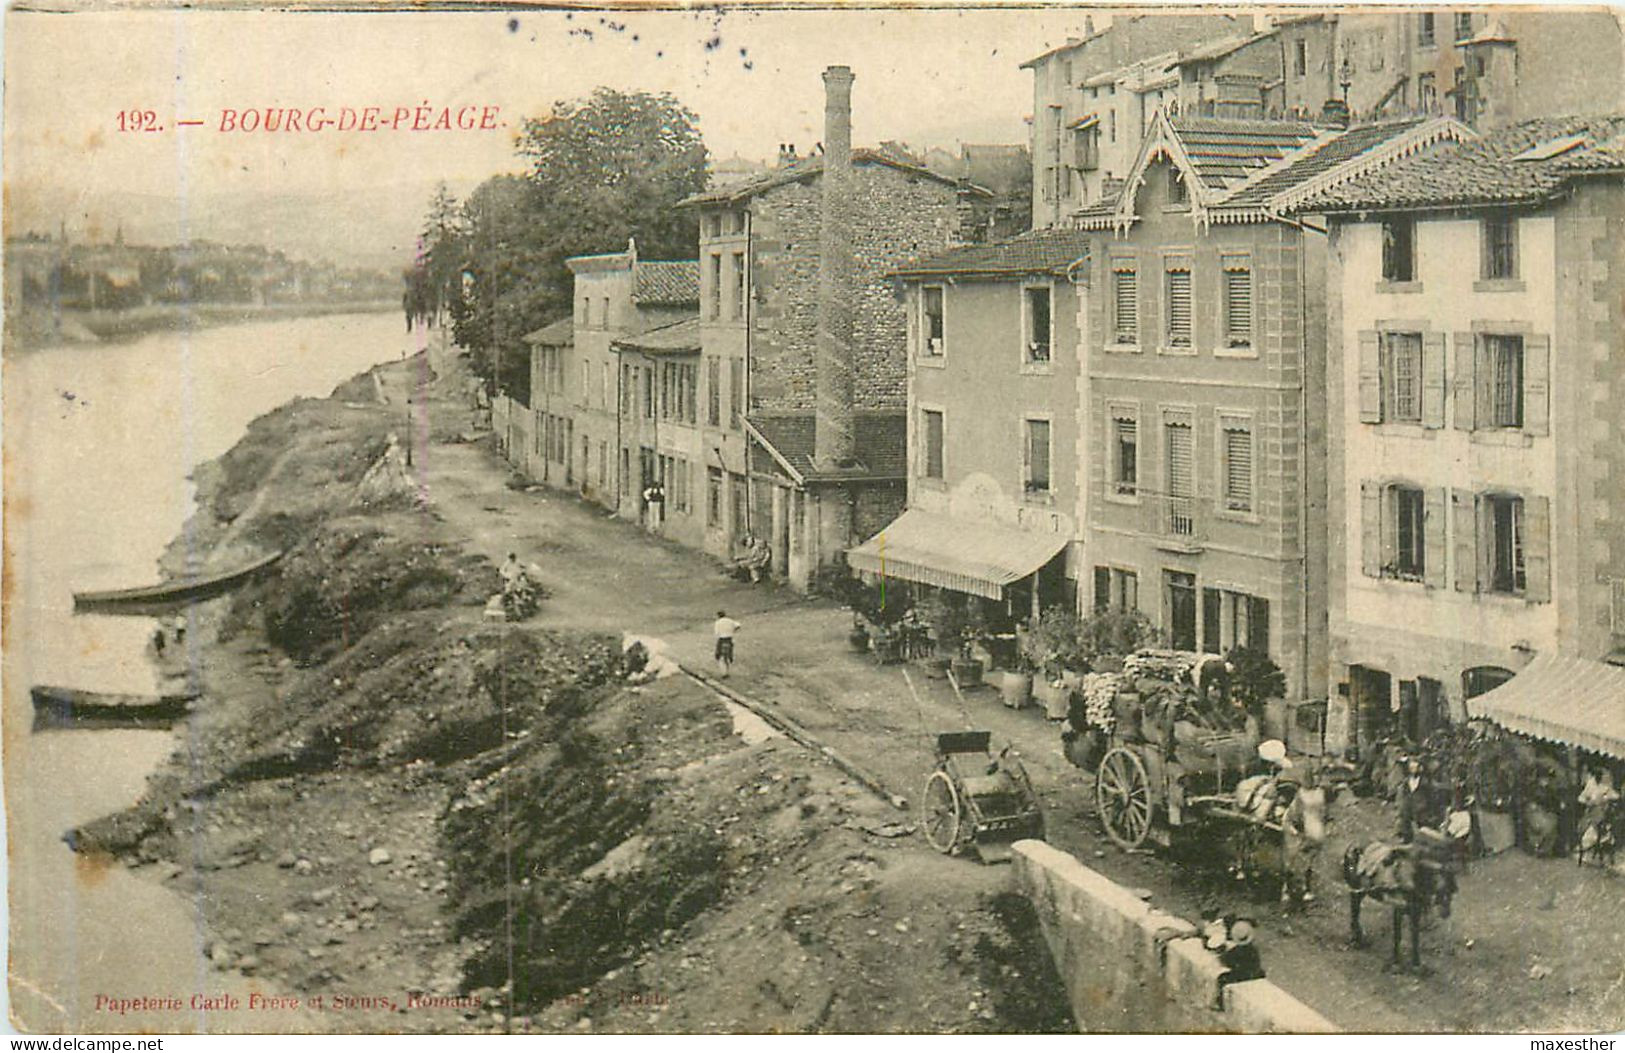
[673, 338]
[560, 333]
[1317, 160]
[1036, 252]
[666, 283]
[1220, 48]
[806, 168]
[880, 438]
[1226, 152]
[1484, 171]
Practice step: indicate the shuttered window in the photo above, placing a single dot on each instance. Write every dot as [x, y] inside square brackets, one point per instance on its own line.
[1126, 460]
[1238, 305]
[1402, 376]
[1181, 459]
[1179, 307]
[736, 390]
[713, 391]
[1126, 287]
[1238, 468]
[1508, 571]
[1503, 357]
[1409, 547]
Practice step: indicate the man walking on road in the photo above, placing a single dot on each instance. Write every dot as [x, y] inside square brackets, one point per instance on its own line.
[725, 628]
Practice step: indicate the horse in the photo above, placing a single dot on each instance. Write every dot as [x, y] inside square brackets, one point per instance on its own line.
[1409, 877]
[1600, 833]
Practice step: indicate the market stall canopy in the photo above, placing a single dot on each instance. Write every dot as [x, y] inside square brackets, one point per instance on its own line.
[933, 549]
[1574, 701]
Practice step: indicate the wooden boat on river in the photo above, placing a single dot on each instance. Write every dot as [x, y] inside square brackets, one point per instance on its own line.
[167, 595]
[72, 707]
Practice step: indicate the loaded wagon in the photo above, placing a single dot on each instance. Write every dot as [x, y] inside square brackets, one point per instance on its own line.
[1164, 757]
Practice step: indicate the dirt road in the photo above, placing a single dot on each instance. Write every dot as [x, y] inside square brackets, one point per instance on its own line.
[1533, 944]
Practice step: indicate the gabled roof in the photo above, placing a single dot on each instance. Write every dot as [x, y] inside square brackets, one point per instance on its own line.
[1279, 163]
[1485, 171]
[1226, 152]
[560, 333]
[807, 168]
[880, 440]
[1312, 168]
[1220, 48]
[666, 283]
[1035, 252]
[674, 338]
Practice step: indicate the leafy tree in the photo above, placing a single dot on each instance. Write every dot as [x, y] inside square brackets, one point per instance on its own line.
[601, 170]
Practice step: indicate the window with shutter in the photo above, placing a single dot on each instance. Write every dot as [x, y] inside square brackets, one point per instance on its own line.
[1238, 467]
[1126, 286]
[1433, 380]
[1179, 307]
[1502, 367]
[1464, 532]
[1238, 305]
[1409, 560]
[1537, 353]
[713, 393]
[1370, 365]
[1181, 479]
[1504, 526]
[1103, 588]
[1371, 529]
[1126, 460]
[736, 390]
[1466, 381]
[1402, 377]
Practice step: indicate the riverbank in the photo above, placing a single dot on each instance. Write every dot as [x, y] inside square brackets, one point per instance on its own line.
[440, 823]
[32, 327]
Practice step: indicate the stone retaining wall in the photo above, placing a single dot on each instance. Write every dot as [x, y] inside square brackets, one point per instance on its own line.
[1130, 967]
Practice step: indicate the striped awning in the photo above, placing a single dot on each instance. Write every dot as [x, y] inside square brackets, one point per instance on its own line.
[1574, 701]
[965, 556]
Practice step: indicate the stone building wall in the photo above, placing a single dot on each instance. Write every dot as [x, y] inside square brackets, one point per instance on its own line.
[896, 217]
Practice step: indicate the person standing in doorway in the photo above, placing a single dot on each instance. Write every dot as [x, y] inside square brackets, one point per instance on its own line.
[725, 628]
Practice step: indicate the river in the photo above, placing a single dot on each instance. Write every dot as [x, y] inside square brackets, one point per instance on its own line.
[100, 442]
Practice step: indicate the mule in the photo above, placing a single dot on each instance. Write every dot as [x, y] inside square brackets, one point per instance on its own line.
[1408, 877]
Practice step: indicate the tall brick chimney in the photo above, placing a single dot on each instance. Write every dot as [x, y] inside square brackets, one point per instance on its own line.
[832, 434]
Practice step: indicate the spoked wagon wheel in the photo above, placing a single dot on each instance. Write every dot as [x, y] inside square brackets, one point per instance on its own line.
[942, 813]
[1123, 797]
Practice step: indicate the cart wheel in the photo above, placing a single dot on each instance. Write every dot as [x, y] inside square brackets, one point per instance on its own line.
[1123, 797]
[941, 812]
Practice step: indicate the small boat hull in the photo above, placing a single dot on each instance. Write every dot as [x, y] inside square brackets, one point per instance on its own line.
[169, 595]
[67, 707]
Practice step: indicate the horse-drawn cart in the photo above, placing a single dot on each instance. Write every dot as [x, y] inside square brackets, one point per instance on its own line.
[974, 797]
[1167, 758]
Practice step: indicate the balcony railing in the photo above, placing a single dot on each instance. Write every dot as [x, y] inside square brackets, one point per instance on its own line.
[1176, 522]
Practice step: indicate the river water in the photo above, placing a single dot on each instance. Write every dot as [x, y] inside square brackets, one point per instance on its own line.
[99, 444]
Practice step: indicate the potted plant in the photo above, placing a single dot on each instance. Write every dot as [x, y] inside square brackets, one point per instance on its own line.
[968, 669]
[946, 618]
[1050, 647]
[1017, 688]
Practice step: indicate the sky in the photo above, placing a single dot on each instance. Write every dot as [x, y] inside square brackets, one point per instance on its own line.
[927, 77]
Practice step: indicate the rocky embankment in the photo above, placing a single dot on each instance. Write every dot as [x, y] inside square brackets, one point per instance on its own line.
[411, 818]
